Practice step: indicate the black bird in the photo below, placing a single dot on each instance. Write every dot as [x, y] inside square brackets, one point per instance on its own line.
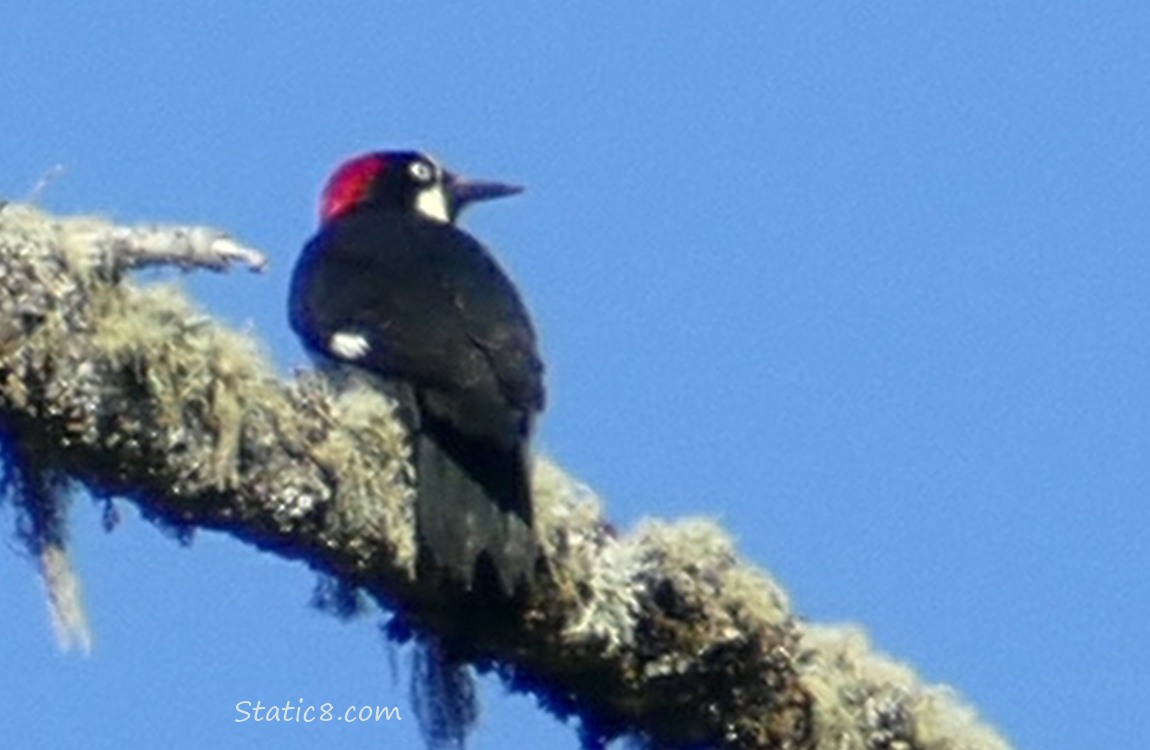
[392, 287]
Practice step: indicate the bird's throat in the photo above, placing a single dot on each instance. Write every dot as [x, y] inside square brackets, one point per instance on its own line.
[432, 203]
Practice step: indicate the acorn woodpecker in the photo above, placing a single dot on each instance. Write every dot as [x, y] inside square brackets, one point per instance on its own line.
[392, 287]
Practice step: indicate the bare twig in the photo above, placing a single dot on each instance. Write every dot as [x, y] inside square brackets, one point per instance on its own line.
[45, 180]
[185, 247]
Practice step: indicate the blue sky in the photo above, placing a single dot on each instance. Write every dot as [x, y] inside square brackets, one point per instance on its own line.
[868, 282]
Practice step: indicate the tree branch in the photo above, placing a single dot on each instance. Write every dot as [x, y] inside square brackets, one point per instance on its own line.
[664, 632]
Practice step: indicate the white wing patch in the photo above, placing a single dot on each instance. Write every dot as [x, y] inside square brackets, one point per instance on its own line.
[348, 346]
[432, 203]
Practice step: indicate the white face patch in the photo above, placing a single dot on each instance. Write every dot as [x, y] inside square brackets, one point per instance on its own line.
[431, 201]
[348, 346]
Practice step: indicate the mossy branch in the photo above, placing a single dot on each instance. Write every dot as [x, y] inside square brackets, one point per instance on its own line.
[663, 632]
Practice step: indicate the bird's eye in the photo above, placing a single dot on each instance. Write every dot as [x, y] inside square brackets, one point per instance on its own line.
[421, 171]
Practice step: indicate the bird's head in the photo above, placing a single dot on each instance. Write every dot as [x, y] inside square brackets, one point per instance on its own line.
[406, 181]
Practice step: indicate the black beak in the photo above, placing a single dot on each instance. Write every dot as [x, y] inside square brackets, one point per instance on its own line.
[465, 191]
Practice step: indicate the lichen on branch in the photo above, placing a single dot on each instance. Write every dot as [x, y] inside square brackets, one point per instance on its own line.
[663, 632]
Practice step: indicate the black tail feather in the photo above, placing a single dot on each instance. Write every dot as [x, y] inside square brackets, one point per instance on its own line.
[473, 511]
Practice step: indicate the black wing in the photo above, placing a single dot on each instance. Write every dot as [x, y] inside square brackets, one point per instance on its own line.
[436, 310]
[491, 311]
